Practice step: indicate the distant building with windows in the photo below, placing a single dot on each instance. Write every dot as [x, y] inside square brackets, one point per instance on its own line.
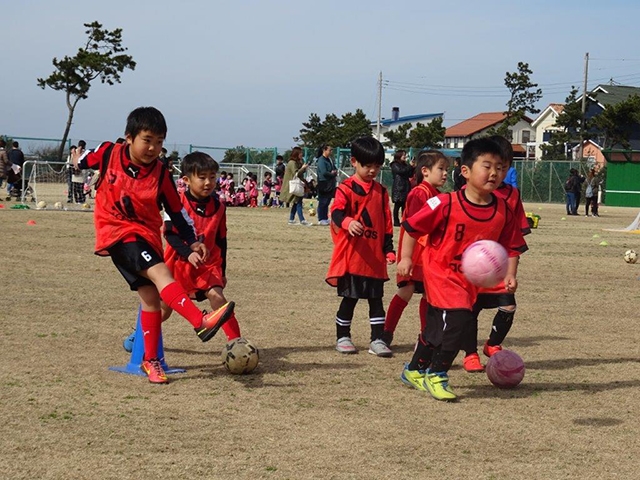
[479, 126]
[396, 121]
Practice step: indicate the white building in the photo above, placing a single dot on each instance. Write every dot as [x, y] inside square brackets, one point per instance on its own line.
[544, 126]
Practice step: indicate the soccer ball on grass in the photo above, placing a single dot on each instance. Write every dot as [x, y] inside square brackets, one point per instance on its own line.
[240, 356]
[630, 256]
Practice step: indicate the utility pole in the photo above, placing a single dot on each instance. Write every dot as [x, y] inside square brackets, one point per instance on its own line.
[584, 106]
[379, 105]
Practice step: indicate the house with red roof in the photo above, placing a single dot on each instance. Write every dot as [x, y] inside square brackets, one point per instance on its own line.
[476, 127]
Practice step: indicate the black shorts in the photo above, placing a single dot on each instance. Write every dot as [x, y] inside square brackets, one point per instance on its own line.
[356, 286]
[131, 258]
[487, 301]
[445, 327]
[418, 286]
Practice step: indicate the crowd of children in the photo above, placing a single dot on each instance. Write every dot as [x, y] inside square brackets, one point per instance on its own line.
[246, 194]
[435, 231]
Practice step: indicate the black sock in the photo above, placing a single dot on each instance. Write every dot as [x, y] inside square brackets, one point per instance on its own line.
[422, 355]
[377, 331]
[501, 325]
[342, 331]
[442, 360]
[469, 338]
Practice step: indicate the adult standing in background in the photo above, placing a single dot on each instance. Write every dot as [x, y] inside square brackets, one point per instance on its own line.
[295, 169]
[5, 164]
[327, 174]
[16, 157]
[458, 180]
[402, 173]
[577, 189]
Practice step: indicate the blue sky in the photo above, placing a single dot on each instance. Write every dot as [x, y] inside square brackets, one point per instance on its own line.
[250, 72]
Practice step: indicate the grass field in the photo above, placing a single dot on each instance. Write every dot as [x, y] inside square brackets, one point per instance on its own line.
[308, 412]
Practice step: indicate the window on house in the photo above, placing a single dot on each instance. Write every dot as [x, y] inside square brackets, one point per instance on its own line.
[526, 136]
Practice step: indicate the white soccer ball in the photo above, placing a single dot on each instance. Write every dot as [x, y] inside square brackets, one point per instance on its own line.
[630, 256]
[240, 356]
[58, 205]
[41, 205]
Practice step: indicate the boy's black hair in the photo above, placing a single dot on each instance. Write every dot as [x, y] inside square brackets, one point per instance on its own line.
[267, 174]
[506, 147]
[279, 157]
[429, 159]
[198, 162]
[367, 151]
[82, 144]
[146, 118]
[480, 146]
[15, 144]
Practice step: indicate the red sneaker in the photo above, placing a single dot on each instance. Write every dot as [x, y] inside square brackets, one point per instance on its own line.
[153, 369]
[490, 350]
[212, 322]
[471, 363]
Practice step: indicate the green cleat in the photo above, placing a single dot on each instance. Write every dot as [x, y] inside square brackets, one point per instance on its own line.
[413, 378]
[438, 386]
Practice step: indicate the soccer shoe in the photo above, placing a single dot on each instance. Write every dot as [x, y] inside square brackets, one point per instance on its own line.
[155, 372]
[471, 363]
[292, 222]
[306, 224]
[346, 346]
[438, 386]
[128, 342]
[413, 378]
[212, 322]
[490, 350]
[380, 349]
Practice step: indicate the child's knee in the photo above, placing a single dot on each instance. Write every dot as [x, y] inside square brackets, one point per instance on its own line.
[216, 297]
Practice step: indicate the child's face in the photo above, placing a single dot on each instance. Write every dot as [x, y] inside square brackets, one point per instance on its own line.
[437, 175]
[201, 184]
[145, 147]
[366, 173]
[484, 175]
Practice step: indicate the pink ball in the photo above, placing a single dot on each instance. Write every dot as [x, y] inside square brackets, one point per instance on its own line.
[505, 369]
[485, 263]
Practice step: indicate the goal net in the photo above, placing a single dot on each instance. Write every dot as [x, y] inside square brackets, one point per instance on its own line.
[50, 185]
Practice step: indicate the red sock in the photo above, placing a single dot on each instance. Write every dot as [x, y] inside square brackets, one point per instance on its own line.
[175, 296]
[151, 329]
[394, 312]
[231, 328]
[424, 306]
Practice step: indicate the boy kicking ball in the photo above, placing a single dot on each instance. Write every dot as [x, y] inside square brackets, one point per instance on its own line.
[202, 281]
[133, 183]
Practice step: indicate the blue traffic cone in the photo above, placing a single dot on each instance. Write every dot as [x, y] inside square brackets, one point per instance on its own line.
[137, 355]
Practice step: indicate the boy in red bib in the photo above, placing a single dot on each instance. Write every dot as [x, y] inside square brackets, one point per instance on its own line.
[453, 222]
[362, 235]
[431, 174]
[498, 297]
[201, 281]
[133, 184]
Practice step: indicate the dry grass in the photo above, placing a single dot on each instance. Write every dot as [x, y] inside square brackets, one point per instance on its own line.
[308, 412]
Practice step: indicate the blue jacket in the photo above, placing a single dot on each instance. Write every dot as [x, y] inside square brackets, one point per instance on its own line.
[512, 177]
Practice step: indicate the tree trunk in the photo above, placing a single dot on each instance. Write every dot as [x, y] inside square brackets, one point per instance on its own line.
[71, 108]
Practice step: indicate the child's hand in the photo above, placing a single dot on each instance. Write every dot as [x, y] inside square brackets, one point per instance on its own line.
[195, 259]
[355, 228]
[75, 156]
[391, 258]
[202, 249]
[511, 283]
[405, 266]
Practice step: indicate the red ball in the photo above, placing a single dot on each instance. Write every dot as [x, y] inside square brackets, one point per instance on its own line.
[505, 369]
